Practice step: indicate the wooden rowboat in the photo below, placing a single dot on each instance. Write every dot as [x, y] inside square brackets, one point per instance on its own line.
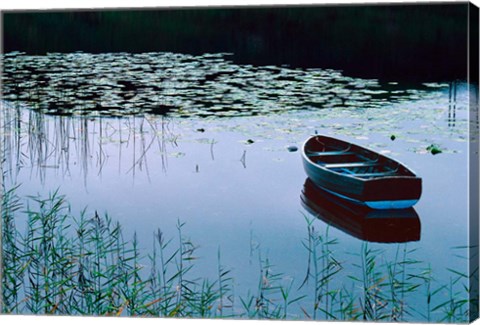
[381, 226]
[360, 175]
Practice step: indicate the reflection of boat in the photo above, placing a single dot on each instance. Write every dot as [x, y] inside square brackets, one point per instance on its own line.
[384, 226]
[359, 174]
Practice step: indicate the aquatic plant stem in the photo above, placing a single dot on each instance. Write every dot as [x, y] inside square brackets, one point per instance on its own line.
[1, 226]
[1, 206]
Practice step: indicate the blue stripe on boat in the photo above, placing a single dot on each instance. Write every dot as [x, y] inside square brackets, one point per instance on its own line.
[398, 204]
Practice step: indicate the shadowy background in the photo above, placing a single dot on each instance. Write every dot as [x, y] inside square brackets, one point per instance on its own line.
[389, 42]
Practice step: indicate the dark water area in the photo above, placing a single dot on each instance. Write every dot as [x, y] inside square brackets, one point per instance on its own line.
[388, 42]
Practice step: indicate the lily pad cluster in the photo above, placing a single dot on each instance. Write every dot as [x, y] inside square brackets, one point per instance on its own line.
[118, 84]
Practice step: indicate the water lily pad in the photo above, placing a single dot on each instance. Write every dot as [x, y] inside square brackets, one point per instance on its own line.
[434, 149]
[182, 85]
[177, 154]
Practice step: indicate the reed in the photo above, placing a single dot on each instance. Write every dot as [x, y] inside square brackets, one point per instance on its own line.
[225, 289]
[325, 266]
[62, 264]
[263, 304]
[11, 275]
[58, 142]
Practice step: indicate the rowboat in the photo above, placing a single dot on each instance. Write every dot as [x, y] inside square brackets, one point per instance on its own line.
[362, 222]
[360, 175]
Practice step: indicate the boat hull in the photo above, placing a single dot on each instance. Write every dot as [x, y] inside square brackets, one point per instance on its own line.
[379, 205]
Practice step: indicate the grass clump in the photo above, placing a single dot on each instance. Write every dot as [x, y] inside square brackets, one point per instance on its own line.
[84, 266]
[62, 264]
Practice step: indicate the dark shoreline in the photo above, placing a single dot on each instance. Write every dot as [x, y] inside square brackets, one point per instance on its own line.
[406, 43]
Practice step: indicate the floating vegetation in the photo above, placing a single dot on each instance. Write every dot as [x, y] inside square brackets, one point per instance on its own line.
[292, 148]
[434, 149]
[118, 84]
[435, 85]
[85, 146]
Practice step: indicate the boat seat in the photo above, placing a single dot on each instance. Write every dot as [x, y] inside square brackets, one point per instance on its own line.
[386, 173]
[352, 164]
[328, 153]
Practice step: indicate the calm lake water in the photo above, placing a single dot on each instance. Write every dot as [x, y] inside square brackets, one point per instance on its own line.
[156, 138]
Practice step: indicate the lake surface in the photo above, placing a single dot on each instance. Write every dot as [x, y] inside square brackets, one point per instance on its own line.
[159, 137]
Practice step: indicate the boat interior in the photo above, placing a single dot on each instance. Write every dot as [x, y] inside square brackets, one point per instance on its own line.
[352, 160]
